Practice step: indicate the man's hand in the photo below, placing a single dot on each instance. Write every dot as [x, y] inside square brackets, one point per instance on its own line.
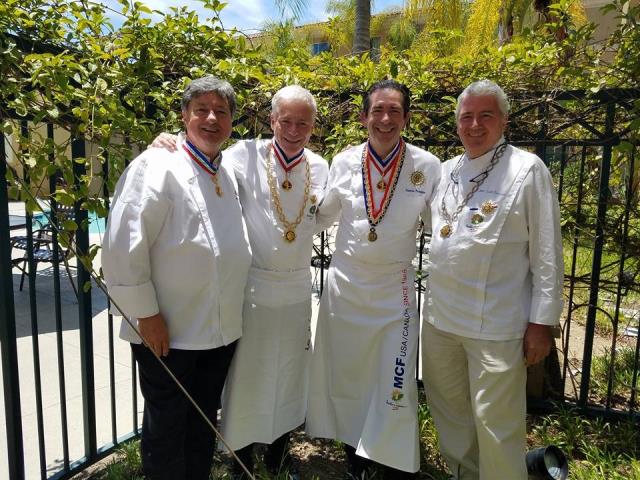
[155, 333]
[537, 343]
[166, 141]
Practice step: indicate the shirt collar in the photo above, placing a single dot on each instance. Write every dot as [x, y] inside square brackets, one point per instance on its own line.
[387, 159]
[285, 158]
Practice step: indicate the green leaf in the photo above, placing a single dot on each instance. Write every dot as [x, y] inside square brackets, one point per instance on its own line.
[625, 146]
[69, 225]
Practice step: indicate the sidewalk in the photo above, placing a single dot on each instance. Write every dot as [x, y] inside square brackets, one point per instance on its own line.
[69, 351]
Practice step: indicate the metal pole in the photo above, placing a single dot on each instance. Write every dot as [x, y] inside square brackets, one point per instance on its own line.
[10, 380]
[603, 197]
[85, 314]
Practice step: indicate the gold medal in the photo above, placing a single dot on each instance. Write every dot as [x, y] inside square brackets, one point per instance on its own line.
[488, 207]
[445, 230]
[381, 185]
[477, 218]
[417, 178]
[313, 199]
[214, 179]
[289, 227]
[373, 236]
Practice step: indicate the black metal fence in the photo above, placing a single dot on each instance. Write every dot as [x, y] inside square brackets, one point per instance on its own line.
[81, 397]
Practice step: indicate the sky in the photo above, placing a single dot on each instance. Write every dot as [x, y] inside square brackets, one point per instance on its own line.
[248, 15]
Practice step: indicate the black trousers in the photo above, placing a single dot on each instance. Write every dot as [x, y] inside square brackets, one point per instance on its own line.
[176, 442]
[276, 457]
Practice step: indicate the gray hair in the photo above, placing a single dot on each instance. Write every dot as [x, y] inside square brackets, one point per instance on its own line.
[209, 84]
[485, 88]
[293, 92]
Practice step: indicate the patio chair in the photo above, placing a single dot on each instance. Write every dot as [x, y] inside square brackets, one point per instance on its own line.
[43, 251]
[321, 259]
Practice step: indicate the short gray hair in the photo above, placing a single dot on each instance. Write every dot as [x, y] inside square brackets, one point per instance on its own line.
[209, 84]
[485, 88]
[293, 92]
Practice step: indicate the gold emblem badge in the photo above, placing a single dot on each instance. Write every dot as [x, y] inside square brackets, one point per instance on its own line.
[488, 207]
[396, 395]
[381, 185]
[477, 218]
[417, 178]
[289, 236]
[287, 185]
[313, 199]
[445, 230]
[373, 236]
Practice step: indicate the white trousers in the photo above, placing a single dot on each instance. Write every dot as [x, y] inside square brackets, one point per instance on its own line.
[476, 391]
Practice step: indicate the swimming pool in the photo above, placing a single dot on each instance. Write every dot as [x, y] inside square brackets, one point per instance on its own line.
[96, 224]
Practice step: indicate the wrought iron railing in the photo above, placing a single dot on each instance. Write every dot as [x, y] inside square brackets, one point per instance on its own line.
[586, 140]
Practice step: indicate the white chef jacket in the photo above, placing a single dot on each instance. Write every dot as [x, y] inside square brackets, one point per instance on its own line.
[362, 387]
[489, 279]
[173, 246]
[266, 234]
[266, 391]
[344, 198]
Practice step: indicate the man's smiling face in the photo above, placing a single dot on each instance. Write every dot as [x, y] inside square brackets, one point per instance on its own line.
[208, 122]
[292, 125]
[385, 119]
[480, 124]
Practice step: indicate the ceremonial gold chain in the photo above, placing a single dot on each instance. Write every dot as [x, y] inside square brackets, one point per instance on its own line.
[450, 218]
[289, 227]
[369, 201]
[386, 199]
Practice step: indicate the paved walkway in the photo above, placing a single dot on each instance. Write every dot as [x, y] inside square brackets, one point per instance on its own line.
[69, 352]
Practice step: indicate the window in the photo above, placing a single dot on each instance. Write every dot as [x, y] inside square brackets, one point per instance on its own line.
[318, 48]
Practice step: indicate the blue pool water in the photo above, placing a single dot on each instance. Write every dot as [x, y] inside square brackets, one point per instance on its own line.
[96, 225]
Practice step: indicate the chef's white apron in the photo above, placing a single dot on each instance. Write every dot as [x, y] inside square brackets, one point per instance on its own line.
[266, 391]
[363, 390]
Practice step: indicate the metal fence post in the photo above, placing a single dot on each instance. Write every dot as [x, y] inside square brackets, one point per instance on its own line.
[85, 314]
[603, 198]
[11, 384]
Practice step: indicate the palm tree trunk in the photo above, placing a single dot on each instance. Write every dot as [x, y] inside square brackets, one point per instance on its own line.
[361, 39]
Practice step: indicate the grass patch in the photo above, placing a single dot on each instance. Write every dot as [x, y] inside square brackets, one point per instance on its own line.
[596, 449]
[623, 370]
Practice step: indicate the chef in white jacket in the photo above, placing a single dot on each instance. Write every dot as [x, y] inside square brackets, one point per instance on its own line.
[362, 387]
[280, 183]
[175, 259]
[493, 292]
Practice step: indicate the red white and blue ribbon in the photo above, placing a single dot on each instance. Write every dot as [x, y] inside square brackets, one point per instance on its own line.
[384, 165]
[393, 164]
[209, 166]
[287, 163]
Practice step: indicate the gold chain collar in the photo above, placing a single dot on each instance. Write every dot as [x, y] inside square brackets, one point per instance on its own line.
[289, 227]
